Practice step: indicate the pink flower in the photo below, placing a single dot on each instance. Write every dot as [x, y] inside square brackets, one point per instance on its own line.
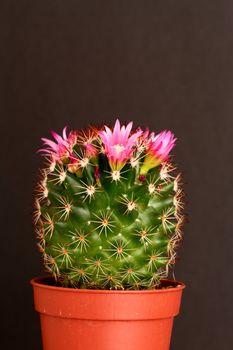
[142, 141]
[161, 145]
[62, 148]
[158, 149]
[118, 144]
[86, 139]
[90, 150]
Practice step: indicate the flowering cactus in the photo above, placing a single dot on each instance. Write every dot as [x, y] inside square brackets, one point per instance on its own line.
[108, 208]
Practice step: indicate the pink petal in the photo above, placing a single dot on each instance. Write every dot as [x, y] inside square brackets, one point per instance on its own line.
[50, 143]
[57, 137]
[64, 135]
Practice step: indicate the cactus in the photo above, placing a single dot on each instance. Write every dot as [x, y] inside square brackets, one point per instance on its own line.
[108, 208]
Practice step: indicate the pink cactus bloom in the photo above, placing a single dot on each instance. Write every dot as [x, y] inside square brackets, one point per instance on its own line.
[143, 140]
[158, 149]
[90, 150]
[85, 139]
[161, 144]
[118, 144]
[63, 146]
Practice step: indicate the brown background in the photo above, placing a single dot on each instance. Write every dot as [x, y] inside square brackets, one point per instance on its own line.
[162, 64]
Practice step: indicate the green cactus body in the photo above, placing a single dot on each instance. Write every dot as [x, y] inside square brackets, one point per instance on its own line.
[105, 229]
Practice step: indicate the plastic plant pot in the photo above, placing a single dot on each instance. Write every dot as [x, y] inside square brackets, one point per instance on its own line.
[86, 319]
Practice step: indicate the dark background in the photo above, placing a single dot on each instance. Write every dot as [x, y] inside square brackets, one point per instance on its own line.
[162, 64]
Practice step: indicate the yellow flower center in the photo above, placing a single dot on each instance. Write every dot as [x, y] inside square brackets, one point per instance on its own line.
[119, 148]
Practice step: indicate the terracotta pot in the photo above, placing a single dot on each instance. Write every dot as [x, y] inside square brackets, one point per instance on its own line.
[82, 319]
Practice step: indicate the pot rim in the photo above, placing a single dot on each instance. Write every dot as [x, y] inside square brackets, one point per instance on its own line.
[38, 282]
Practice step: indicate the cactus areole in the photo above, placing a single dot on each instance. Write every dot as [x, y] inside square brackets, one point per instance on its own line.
[108, 208]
